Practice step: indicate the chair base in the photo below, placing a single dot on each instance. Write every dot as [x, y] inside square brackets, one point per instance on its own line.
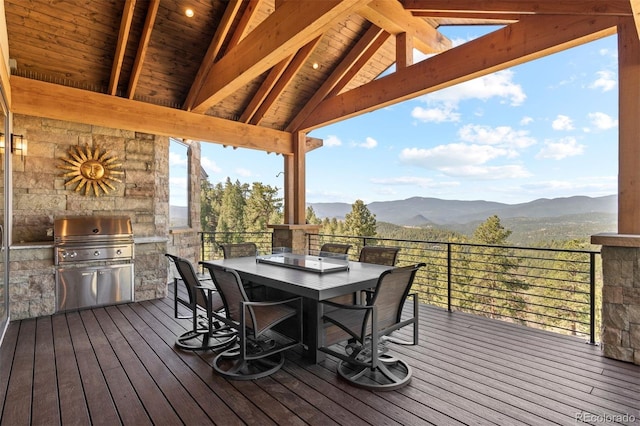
[201, 340]
[236, 368]
[391, 374]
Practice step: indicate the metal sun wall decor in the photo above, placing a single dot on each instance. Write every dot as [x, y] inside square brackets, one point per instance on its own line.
[91, 168]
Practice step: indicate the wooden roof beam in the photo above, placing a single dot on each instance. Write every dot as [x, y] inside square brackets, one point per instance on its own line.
[292, 69]
[393, 18]
[152, 12]
[265, 88]
[358, 50]
[635, 7]
[284, 32]
[213, 50]
[121, 46]
[515, 44]
[530, 7]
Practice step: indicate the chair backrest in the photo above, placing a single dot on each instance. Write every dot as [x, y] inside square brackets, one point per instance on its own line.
[190, 279]
[229, 286]
[231, 251]
[379, 255]
[390, 294]
[335, 248]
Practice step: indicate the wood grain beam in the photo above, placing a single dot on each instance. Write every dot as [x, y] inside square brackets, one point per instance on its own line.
[393, 18]
[529, 39]
[533, 7]
[281, 34]
[285, 79]
[264, 89]
[121, 46]
[213, 50]
[244, 22]
[352, 57]
[40, 99]
[635, 7]
[141, 53]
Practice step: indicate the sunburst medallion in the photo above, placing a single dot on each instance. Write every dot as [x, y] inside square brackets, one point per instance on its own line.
[91, 168]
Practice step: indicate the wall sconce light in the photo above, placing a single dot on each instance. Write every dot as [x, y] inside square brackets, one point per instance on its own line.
[19, 145]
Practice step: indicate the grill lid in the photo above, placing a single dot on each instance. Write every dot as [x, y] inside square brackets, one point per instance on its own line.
[79, 228]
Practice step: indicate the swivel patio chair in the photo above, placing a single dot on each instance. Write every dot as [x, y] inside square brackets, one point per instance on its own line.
[366, 329]
[205, 333]
[379, 255]
[234, 250]
[230, 250]
[334, 248]
[259, 351]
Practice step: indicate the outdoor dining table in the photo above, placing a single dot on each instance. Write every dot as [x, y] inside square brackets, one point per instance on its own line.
[311, 285]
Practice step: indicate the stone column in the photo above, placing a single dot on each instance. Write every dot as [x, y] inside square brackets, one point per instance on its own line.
[620, 296]
[293, 236]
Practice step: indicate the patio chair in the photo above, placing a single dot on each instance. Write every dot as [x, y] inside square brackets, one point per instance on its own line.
[230, 251]
[334, 248]
[367, 329]
[205, 333]
[260, 349]
[379, 255]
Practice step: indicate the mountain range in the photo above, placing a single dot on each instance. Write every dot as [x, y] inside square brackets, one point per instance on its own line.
[421, 211]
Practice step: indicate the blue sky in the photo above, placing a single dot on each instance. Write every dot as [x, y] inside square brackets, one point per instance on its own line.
[545, 129]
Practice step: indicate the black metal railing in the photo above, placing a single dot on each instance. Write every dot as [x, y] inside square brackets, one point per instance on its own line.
[553, 289]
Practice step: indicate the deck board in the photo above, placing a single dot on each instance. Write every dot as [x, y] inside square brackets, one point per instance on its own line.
[119, 365]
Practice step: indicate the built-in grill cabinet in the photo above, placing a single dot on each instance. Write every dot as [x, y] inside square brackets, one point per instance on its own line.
[94, 261]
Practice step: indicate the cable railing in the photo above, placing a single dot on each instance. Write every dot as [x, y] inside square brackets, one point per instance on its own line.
[552, 289]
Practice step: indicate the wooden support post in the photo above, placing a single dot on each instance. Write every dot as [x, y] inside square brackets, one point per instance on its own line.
[404, 50]
[288, 189]
[629, 128]
[299, 181]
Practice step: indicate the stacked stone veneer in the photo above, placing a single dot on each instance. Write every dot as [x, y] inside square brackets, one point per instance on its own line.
[40, 195]
[621, 303]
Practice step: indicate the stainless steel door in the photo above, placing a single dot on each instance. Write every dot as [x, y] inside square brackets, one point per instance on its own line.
[115, 284]
[75, 288]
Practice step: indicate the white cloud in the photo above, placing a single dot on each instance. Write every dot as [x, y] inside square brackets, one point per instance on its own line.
[565, 147]
[562, 122]
[332, 140]
[526, 121]
[210, 166]
[452, 155]
[412, 181]
[501, 136]
[369, 143]
[176, 159]
[606, 81]
[499, 84]
[602, 121]
[436, 115]
[487, 172]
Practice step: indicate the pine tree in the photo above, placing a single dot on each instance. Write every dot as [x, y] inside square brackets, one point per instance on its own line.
[263, 206]
[360, 221]
[232, 211]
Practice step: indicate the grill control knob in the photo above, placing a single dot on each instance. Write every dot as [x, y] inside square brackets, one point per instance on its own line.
[73, 254]
[96, 253]
[118, 252]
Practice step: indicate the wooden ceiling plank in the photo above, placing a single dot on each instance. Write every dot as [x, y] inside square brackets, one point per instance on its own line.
[298, 61]
[284, 32]
[358, 50]
[360, 64]
[392, 17]
[244, 23]
[141, 54]
[121, 46]
[213, 50]
[264, 89]
[520, 42]
[40, 99]
[404, 51]
[536, 7]
[635, 7]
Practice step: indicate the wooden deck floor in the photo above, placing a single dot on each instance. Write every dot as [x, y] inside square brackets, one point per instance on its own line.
[118, 365]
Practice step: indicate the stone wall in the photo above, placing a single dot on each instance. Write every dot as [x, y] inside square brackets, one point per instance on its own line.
[621, 303]
[40, 195]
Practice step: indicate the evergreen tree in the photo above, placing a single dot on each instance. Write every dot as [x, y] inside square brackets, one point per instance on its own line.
[263, 206]
[232, 211]
[210, 203]
[311, 217]
[360, 221]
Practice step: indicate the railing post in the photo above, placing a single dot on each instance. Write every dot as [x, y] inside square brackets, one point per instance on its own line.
[592, 299]
[449, 277]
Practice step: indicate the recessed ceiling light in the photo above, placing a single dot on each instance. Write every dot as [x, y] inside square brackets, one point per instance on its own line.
[315, 66]
[189, 12]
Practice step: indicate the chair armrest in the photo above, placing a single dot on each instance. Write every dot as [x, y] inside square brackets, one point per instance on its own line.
[272, 303]
[343, 306]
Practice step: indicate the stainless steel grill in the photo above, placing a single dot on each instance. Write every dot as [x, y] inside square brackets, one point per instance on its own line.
[94, 258]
